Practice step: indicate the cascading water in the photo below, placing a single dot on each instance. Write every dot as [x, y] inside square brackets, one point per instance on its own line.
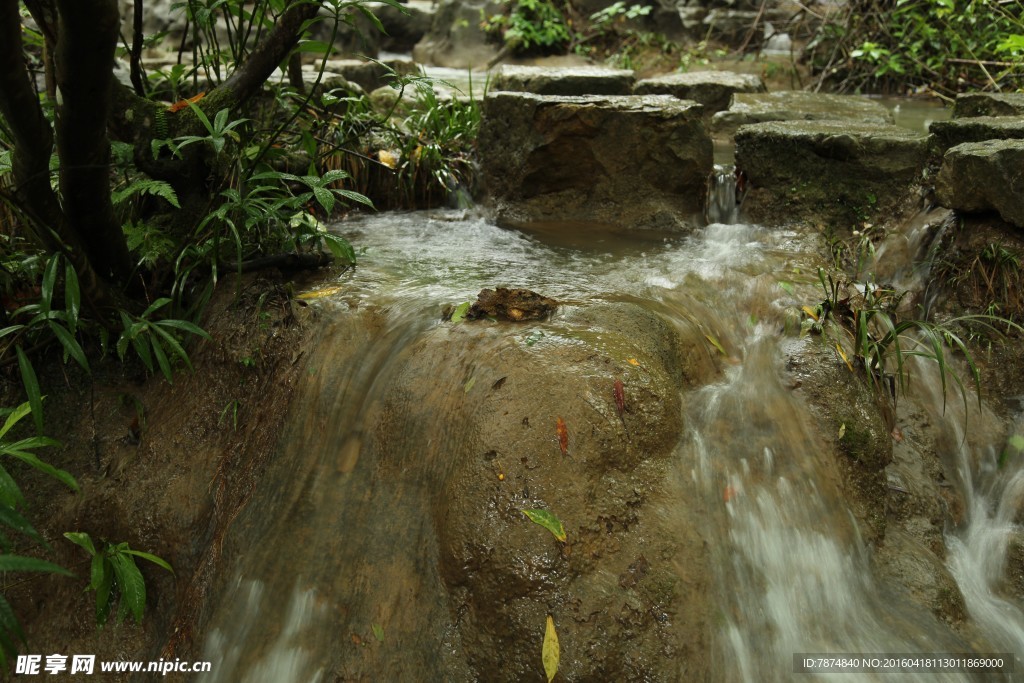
[337, 550]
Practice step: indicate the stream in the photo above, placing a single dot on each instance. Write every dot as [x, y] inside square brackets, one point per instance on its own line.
[337, 570]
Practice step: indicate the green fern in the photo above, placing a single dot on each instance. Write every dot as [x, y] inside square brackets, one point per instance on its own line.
[157, 188]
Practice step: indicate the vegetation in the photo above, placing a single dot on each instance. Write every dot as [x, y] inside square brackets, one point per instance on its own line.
[942, 46]
[123, 205]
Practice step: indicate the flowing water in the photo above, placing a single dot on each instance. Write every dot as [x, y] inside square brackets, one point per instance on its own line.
[338, 539]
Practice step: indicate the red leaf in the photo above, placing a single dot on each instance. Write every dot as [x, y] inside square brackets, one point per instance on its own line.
[563, 435]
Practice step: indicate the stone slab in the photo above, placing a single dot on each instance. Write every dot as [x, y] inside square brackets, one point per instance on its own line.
[713, 89]
[984, 176]
[796, 105]
[542, 80]
[607, 162]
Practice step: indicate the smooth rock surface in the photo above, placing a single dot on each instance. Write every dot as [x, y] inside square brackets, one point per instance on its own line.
[607, 162]
[984, 176]
[840, 173]
[794, 105]
[562, 81]
[713, 89]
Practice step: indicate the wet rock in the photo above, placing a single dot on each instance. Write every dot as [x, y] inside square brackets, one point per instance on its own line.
[796, 105]
[921, 575]
[604, 162]
[713, 89]
[562, 81]
[946, 134]
[988, 104]
[455, 38]
[839, 173]
[984, 176]
[628, 590]
[516, 305]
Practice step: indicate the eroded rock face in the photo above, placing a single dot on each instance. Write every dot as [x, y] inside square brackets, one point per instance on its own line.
[795, 105]
[828, 172]
[628, 589]
[607, 162]
[563, 81]
[713, 89]
[984, 176]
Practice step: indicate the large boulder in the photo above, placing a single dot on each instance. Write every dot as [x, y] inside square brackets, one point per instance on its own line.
[946, 134]
[611, 162]
[713, 89]
[563, 81]
[794, 105]
[984, 176]
[840, 173]
[988, 104]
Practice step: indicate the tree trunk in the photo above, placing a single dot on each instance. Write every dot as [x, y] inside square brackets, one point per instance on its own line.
[87, 36]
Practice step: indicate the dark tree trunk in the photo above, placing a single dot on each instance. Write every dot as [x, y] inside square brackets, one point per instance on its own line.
[87, 36]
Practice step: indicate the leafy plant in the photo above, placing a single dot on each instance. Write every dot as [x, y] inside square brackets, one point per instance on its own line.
[114, 574]
[11, 519]
[882, 341]
[156, 339]
[530, 25]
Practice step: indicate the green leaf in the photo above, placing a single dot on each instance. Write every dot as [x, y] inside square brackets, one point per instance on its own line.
[459, 314]
[19, 563]
[103, 590]
[28, 378]
[10, 494]
[547, 520]
[97, 571]
[15, 451]
[14, 417]
[70, 344]
[130, 583]
[49, 280]
[82, 539]
[324, 198]
[161, 359]
[159, 561]
[10, 518]
[378, 632]
[72, 296]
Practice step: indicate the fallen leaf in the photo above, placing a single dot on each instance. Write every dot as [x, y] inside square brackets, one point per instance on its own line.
[842, 354]
[634, 361]
[469, 384]
[842, 430]
[620, 397]
[389, 158]
[378, 632]
[498, 384]
[459, 314]
[319, 293]
[810, 311]
[563, 435]
[714, 342]
[181, 104]
[550, 653]
[549, 521]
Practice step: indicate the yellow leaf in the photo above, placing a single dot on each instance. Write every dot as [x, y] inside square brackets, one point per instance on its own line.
[634, 361]
[842, 430]
[842, 354]
[319, 293]
[389, 157]
[811, 312]
[550, 653]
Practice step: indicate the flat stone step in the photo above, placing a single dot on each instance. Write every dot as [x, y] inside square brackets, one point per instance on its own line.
[946, 134]
[796, 105]
[839, 173]
[988, 104]
[542, 80]
[713, 89]
[604, 162]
